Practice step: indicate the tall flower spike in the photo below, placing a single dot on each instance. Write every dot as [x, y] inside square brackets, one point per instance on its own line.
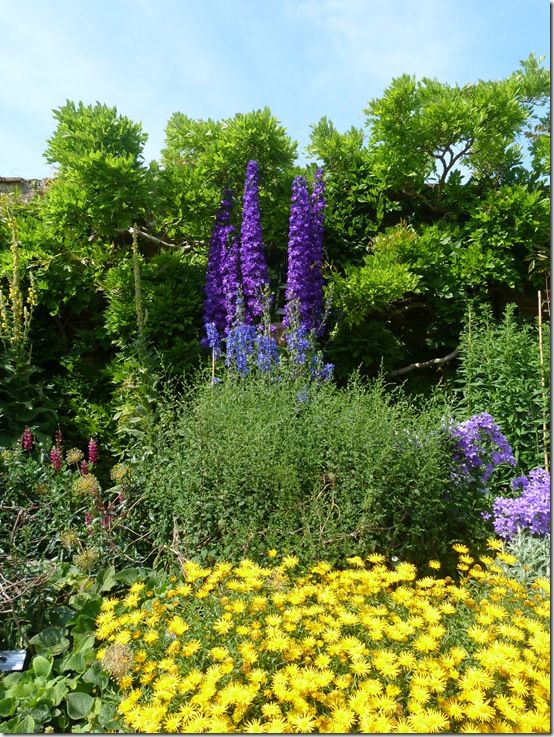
[214, 303]
[230, 272]
[92, 451]
[55, 458]
[299, 251]
[315, 289]
[252, 257]
[27, 439]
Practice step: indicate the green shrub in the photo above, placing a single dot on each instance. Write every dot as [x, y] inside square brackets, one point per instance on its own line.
[243, 466]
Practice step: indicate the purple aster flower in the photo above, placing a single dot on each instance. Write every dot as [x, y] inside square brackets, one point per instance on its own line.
[252, 257]
[480, 446]
[531, 510]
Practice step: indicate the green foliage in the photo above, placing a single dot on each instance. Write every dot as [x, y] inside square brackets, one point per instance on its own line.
[102, 186]
[500, 372]
[533, 556]
[422, 131]
[373, 286]
[501, 235]
[354, 194]
[65, 689]
[22, 399]
[201, 158]
[243, 466]
[171, 291]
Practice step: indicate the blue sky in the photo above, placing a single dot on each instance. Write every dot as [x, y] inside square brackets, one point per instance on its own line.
[214, 58]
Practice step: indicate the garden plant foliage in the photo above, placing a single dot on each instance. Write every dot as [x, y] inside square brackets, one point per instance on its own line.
[241, 526]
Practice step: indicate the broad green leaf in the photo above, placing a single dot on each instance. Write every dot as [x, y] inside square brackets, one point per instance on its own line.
[41, 666]
[79, 705]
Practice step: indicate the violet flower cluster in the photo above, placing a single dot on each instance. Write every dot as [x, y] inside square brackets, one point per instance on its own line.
[304, 293]
[531, 510]
[252, 258]
[480, 446]
[299, 343]
[237, 285]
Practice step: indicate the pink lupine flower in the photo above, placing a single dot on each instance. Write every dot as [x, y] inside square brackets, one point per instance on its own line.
[84, 469]
[56, 459]
[27, 439]
[92, 451]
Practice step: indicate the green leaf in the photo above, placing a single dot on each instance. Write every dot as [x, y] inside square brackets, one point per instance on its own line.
[106, 579]
[95, 676]
[75, 661]
[7, 707]
[51, 640]
[130, 575]
[79, 705]
[25, 725]
[41, 666]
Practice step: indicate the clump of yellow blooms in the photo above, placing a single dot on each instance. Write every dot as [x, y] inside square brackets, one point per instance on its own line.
[369, 649]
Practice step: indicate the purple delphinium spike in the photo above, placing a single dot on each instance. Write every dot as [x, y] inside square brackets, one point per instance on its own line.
[214, 302]
[315, 283]
[230, 272]
[252, 257]
[299, 252]
[267, 352]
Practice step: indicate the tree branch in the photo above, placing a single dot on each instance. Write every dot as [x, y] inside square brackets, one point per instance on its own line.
[423, 364]
[158, 241]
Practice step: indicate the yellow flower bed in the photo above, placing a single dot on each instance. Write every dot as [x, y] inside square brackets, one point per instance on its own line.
[368, 649]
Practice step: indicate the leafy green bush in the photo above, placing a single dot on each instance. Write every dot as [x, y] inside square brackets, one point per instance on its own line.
[242, 466]
[500, 372]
